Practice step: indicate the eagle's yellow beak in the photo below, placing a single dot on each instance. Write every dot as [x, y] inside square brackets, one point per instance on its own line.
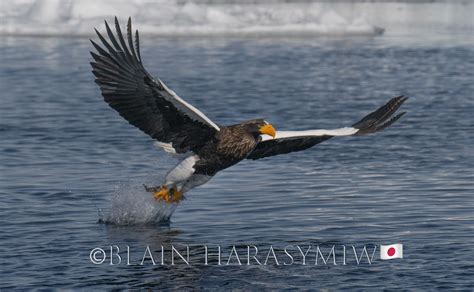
[268, 129]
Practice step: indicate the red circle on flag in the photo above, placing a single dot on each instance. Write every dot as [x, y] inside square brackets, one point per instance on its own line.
[391, 251]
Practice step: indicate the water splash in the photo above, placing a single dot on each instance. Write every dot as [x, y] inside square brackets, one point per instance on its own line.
[131, 205]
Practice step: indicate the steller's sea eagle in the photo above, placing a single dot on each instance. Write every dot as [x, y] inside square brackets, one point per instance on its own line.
[179, 128]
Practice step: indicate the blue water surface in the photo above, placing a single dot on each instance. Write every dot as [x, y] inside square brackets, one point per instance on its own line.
[64, 154]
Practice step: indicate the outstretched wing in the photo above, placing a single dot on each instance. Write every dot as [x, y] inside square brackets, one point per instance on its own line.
[145, 102]
[290, 141]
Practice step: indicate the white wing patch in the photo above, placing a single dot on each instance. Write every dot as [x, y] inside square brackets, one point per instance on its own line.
[346, 131]
[197, 113]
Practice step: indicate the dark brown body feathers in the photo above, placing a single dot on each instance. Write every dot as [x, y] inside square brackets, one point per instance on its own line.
[230, 145]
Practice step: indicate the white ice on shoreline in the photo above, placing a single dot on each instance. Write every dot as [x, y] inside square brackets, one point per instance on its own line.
[264, 18]
[178, 18]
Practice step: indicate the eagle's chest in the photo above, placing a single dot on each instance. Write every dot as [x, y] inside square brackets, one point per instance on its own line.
[228, 148]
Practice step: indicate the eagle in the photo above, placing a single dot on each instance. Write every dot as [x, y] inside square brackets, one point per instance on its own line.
[180, 129]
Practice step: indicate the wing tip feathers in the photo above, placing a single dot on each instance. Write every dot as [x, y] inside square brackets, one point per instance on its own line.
[382, 117]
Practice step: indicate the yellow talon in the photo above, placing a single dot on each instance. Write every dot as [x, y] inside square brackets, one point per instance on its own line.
[164, 195]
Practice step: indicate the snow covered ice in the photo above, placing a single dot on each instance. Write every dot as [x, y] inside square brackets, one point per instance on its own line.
[178, 18]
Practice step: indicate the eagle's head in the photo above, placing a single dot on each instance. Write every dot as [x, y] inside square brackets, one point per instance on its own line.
[259, 127]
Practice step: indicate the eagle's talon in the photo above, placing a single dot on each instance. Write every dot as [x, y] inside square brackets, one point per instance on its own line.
[168, 195]
[162, 194]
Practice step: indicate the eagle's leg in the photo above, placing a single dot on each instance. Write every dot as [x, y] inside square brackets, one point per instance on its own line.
[176, 195]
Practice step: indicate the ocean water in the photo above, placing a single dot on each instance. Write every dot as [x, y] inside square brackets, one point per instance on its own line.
[68, 160]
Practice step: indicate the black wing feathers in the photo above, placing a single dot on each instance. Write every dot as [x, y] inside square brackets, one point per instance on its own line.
[128, 88]
[286, 145]
[137, 45]
[376, 120]
[373, 122]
